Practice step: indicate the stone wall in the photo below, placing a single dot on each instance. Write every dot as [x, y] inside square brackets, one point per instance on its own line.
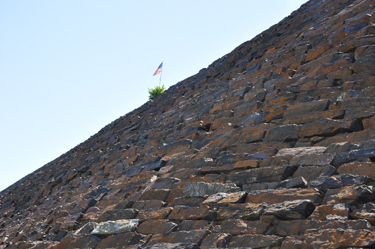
[271, 146]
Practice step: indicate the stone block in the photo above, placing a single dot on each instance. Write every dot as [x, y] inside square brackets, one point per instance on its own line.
[255, 241]
[272, 196]
[155, 194]
[342, 238]
[246, 211]
[172, 246]
[216, 240]
[329, 127]
[340, 181]
[183, 237]
[118, 214]
[299, 227]
[115, 227]
[267, 174]
[164, 182]
[352, 155]
[289, 210]
[152, 214]
[363, 212]
[358, 168]
[156, 226]
[119, 240]
[331, 212]
[306, 108]
[150, 204]
[86, 229]
[238, 226]
[87, 241]
[187, 225]
[312, 160]
[186, 201]
[292, 152]
[351, 195]
[192, 213]
[310, 173]
[202, 189]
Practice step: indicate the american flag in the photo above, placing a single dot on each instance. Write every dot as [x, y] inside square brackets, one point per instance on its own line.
[158, 70]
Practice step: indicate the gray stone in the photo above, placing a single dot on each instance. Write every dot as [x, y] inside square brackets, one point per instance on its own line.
[292, 152]
[290, 210]
[202, 189]
[164, 183]
[312, 160]
[86, 229]
[115, 227]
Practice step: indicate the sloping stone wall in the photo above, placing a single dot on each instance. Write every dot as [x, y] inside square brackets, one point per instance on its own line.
[271, 146]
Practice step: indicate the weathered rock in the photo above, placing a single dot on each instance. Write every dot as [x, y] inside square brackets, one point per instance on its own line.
[156, 226]
[341, 181]
[115, 227]
[350, 195]
[312, 160]
[280, 195]
[289, 210]
[216, 240]
[118, 214]
[187, 225]
[237, 226]
[299, 227]
[88, 241]
[334, 238]
[202, 189]
[152, 214]
[193, 236]
[192, 213]
[255, 241]
[151, 204]
[246, 211]
[155, 194]
[358, 168]
[86, 229]
[310, 173]
[292, 152]
[331, 212]
[119, 240]
[164, 183]
[352, 155]
[268, 174]
[364, 211]
[173, 246]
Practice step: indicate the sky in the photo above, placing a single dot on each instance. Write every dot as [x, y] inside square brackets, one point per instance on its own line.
[68, 68]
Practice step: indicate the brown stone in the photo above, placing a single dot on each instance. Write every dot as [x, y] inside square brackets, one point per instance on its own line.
[255, 241]
[364, 211]
[192, 213]
[246, 211]
[156, 226]
[88, 241]
[358, 168]
[331, 212]
[335, 238]
[152, 214]
[119, 240]
[216, 240]
[280, 195]
[151, 204]
[246, 164]
[350, 195]
[155, 194]
[237, 226]
[299, 227]
[193, 236]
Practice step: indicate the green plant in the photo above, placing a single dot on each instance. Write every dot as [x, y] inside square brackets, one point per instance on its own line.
[154, 92]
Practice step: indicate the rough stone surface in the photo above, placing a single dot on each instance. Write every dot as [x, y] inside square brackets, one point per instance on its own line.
[115, 227]
[235, 156]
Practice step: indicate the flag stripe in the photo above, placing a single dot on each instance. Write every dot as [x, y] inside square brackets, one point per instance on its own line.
[159, 69]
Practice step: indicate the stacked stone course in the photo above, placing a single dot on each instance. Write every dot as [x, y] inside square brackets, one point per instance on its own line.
[271, 146]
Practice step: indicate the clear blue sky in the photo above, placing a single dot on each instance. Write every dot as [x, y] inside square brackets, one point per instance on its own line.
[68, 68]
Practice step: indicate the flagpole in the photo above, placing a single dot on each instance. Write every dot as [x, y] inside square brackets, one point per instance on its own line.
[161, 74]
